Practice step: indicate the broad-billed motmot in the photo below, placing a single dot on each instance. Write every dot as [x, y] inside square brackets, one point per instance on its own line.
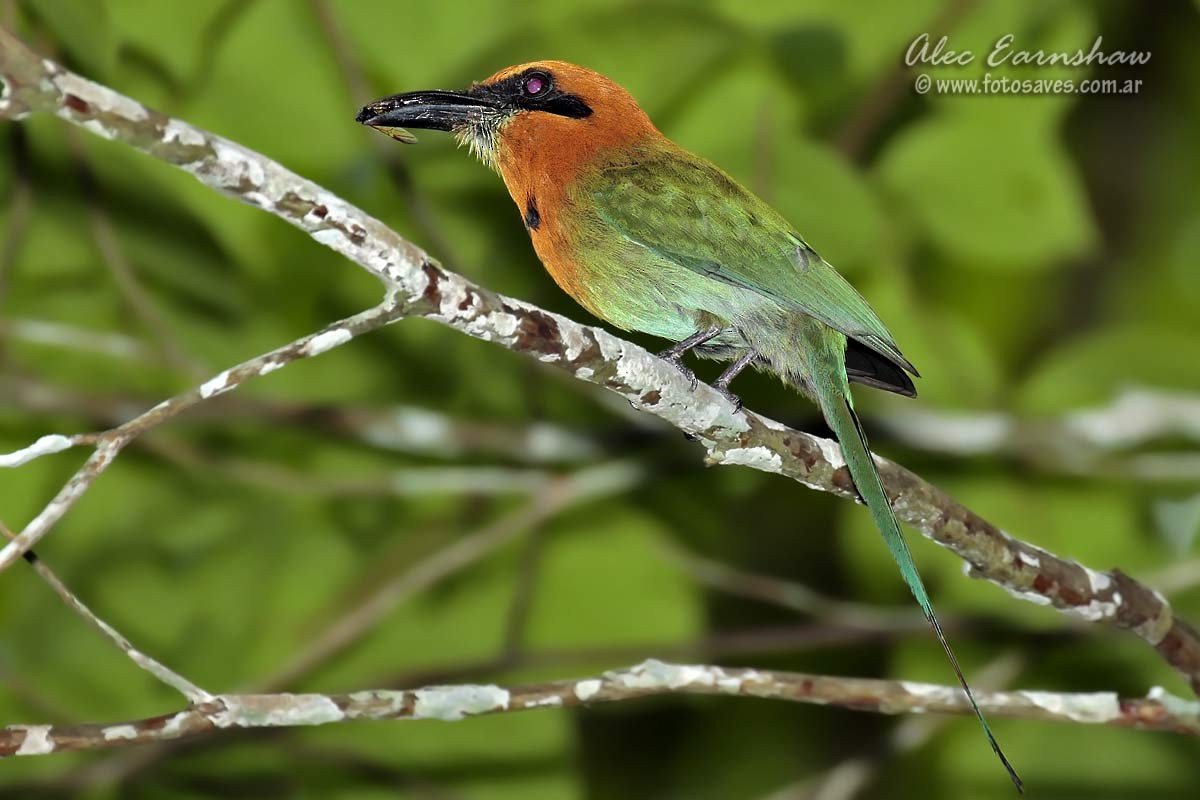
[652, 238]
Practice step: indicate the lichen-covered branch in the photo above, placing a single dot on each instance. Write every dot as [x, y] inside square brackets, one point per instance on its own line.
[1158, 711]
[420, 286]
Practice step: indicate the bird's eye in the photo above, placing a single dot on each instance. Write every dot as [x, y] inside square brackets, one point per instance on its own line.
[536, 84]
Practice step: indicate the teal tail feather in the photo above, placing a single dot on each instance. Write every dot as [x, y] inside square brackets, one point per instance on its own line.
[838, 409]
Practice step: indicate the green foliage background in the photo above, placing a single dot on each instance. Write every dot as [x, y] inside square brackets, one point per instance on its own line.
[1033, 256]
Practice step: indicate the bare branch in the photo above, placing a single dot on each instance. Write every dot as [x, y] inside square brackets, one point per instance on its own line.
[1158, 711]
[420, 287]
[189, 690]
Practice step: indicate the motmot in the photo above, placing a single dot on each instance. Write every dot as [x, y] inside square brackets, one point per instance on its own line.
[649, 237]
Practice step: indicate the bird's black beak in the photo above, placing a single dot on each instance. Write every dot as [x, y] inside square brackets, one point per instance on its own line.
[431, 110]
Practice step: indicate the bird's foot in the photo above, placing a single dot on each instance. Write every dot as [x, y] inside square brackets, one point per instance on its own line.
[730, 396]
[676, 361]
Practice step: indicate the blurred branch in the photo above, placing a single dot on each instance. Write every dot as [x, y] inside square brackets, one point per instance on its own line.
[57, 334]
[401, 428]
[20, 206]
[191, 691]
[139, 301]
[352, 625]
[109, 443]
[412, 429]
[1158, 711]
[525, 585]
[415, 481]
[418, 286]
[887, 95]
[1080, 442]
[789, 594]
[423, 481]
[1181, 576]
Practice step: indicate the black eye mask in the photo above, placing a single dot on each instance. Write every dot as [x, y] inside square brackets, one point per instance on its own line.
[512, 92]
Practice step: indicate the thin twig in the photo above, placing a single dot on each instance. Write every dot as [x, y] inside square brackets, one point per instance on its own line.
[1158, 711]
[189, 690]
[737, 644]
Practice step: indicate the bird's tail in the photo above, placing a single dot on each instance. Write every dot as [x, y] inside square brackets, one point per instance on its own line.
[833, 395]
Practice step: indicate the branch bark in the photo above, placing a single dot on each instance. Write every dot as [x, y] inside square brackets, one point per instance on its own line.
[417, 285]
[1158, 711]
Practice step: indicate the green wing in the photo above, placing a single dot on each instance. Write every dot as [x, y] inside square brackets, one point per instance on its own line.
[687, 210]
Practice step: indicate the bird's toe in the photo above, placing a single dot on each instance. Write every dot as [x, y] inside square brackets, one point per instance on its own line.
[731, 397]
[678, 364]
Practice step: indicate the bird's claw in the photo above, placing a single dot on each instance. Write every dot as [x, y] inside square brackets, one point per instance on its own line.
[730, 396]
[677, 362]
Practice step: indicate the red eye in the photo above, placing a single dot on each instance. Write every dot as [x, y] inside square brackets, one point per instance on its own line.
[536, 84]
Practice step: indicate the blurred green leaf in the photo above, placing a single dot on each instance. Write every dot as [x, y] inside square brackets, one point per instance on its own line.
[602, 582]
[1090, 370]
[1001, 196]
[84, 30]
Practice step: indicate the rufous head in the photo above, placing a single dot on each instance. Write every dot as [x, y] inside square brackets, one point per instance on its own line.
[543, 109]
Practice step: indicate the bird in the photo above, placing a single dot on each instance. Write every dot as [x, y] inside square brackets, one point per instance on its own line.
[652, 238]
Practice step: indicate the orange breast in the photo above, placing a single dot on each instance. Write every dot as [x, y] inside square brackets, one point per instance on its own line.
[541, 157]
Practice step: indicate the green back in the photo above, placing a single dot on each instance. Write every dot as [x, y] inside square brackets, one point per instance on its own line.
[689, 211]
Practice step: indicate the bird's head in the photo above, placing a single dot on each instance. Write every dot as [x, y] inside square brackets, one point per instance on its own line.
[544, 110]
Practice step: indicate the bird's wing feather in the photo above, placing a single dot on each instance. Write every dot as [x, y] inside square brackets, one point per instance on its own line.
[689, 211]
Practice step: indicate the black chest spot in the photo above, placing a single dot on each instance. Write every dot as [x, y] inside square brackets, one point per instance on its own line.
[533, 219]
